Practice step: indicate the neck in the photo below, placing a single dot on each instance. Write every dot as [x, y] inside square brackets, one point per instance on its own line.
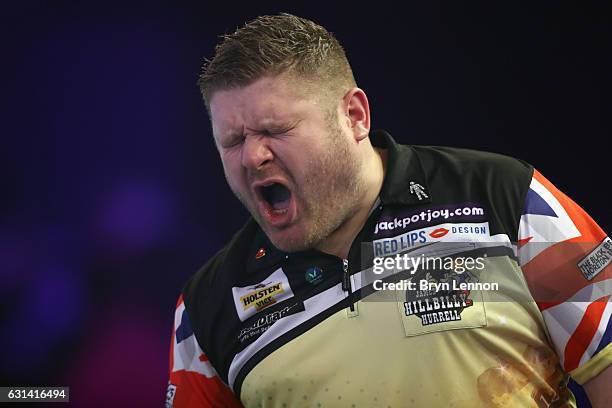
[339, 242]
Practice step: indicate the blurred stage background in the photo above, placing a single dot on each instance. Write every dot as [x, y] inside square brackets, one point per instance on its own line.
[113, 194]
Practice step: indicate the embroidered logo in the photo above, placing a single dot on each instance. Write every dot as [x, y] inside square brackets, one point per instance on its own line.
[170, 393]
[254, 298]
[439, 305]
[419, 190]
[314, 275]
[261, 252]
[597, 260]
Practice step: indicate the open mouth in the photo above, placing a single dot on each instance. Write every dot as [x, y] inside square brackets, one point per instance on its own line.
[277, 196]
[277, 204]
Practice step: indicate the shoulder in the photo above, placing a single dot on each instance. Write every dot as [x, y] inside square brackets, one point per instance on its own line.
[501, 179]
[464, 162]
[498, 182]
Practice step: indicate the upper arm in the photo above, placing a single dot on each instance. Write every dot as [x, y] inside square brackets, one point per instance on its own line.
[193, 380]
[598, 388]
[566, 259]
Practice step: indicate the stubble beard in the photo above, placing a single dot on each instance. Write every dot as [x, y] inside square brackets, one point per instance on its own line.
[331, 192]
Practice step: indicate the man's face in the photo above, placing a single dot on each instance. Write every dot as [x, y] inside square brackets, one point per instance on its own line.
[291, 162]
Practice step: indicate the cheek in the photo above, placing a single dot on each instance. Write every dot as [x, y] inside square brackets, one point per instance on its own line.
[233, 171]
[296, 159]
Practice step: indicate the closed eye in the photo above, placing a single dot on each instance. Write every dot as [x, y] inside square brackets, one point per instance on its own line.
[274, 130]
[237, 141]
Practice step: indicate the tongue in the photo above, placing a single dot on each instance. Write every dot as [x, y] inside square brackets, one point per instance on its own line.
[278, 196]
[281, 205]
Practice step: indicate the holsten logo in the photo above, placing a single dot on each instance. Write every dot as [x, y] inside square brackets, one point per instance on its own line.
[254, 298]
[263, 296]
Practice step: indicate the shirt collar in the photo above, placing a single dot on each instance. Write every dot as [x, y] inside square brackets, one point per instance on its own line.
[403, 171]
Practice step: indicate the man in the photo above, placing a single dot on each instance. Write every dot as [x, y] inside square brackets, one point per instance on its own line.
[289, 313]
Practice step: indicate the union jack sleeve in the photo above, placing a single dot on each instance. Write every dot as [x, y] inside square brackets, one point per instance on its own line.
[193, 380]
[565, 257]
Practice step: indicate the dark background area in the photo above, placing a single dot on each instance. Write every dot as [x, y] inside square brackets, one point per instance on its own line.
[113, 194]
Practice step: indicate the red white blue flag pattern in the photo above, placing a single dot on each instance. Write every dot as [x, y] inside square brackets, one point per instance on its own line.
[193, 380]
[566, 257]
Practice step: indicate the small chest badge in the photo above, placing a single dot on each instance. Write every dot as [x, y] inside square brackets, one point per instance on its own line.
[261, 252]
[314, 275]
[419, 190]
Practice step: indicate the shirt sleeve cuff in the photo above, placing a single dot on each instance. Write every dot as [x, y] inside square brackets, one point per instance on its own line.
[594, 366]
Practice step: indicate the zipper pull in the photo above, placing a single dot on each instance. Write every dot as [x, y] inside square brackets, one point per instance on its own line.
[346, 278]
[346, 283]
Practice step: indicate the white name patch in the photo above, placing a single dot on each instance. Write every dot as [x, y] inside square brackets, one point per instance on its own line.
[597, 260]
[255, 298]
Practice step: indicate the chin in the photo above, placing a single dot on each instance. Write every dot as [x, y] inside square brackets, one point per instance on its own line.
[289, 241]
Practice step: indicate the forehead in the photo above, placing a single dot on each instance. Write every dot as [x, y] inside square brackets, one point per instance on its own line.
[268, 99]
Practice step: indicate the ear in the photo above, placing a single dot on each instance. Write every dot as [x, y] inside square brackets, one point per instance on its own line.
[357, 112]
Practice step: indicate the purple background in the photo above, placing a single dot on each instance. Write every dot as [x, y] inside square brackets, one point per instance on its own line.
[113, 194]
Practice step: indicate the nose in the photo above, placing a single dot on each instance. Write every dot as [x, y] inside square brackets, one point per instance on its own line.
[255, 152]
